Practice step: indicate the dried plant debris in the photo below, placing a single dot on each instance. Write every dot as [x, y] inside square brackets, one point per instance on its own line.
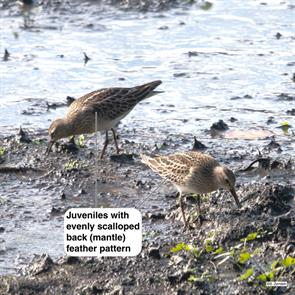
[264, 166]
[197, 146]
[6, 55]
[22, 136]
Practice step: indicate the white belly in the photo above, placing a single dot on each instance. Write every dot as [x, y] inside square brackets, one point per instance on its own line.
[103, 124]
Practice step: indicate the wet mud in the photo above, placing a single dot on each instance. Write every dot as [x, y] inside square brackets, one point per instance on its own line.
[203, 260]
[227, 94]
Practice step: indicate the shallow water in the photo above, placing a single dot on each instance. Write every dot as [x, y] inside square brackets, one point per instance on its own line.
[237, 68]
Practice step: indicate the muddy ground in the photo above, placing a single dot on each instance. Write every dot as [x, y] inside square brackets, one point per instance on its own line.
[207, 259]
[234, 251]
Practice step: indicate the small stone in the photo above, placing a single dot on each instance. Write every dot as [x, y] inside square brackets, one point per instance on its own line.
[192, 53]
[156, 216]
[220, 126]
[56, 211]
[177, 75]
[173, 278]
[154, 253]
[122, 158]
[278, 35]
[72, 260]
[291, 112]
[22, 136]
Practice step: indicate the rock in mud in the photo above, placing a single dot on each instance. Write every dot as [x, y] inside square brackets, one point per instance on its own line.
[23, 136]
[122, 158]
[233, 119]
[278, 35]
[69, 260]
[154, 253]
[156, 216]
[291, 112]
[219, 126]
[286, 97]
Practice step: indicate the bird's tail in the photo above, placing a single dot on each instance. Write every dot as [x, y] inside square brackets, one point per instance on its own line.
[149, 161]
[145, 159]
[146, 90]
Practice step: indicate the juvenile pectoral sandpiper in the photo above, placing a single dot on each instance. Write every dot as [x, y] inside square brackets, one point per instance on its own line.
[110, 105]
[193, 172]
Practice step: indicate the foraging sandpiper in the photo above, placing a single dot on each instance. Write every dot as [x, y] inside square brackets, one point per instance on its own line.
[110, 105]
[193, 172]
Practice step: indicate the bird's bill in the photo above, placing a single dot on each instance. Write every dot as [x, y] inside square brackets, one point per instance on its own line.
[49, 147]
[233, 192]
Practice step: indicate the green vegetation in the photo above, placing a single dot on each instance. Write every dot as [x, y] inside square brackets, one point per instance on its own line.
[185, 247]
[81, 141]
[2, 151]
[242, 255]
[72, 165]
[37, 141]
[247, 274]
[285, 127]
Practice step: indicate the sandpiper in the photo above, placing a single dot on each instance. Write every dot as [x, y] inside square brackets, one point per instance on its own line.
[193, 172]
[110, 105]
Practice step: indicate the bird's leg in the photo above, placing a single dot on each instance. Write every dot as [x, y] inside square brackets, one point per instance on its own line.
[115, 139]
[182, 209]
[105, 145]
[199, 208]
[199, 218]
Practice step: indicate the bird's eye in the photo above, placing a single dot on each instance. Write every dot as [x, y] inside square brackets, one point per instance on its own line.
[227, 181]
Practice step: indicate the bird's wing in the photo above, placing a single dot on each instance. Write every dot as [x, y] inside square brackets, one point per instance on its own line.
[114, 102]
[174, 168]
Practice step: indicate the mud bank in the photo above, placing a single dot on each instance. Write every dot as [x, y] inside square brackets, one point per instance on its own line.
[228, 77]
[256, 242]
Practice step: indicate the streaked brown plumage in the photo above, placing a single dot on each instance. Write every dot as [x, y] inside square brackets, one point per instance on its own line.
[110, 104]
[193, 172]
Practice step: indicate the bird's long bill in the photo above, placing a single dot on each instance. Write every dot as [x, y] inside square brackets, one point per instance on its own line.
[233, 192]
[49, 147]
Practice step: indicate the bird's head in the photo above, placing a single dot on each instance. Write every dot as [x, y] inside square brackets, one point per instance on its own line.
[226, 179]
[57, 130]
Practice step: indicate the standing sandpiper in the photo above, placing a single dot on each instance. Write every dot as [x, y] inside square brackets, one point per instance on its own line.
[110, 105]
[193, 172]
